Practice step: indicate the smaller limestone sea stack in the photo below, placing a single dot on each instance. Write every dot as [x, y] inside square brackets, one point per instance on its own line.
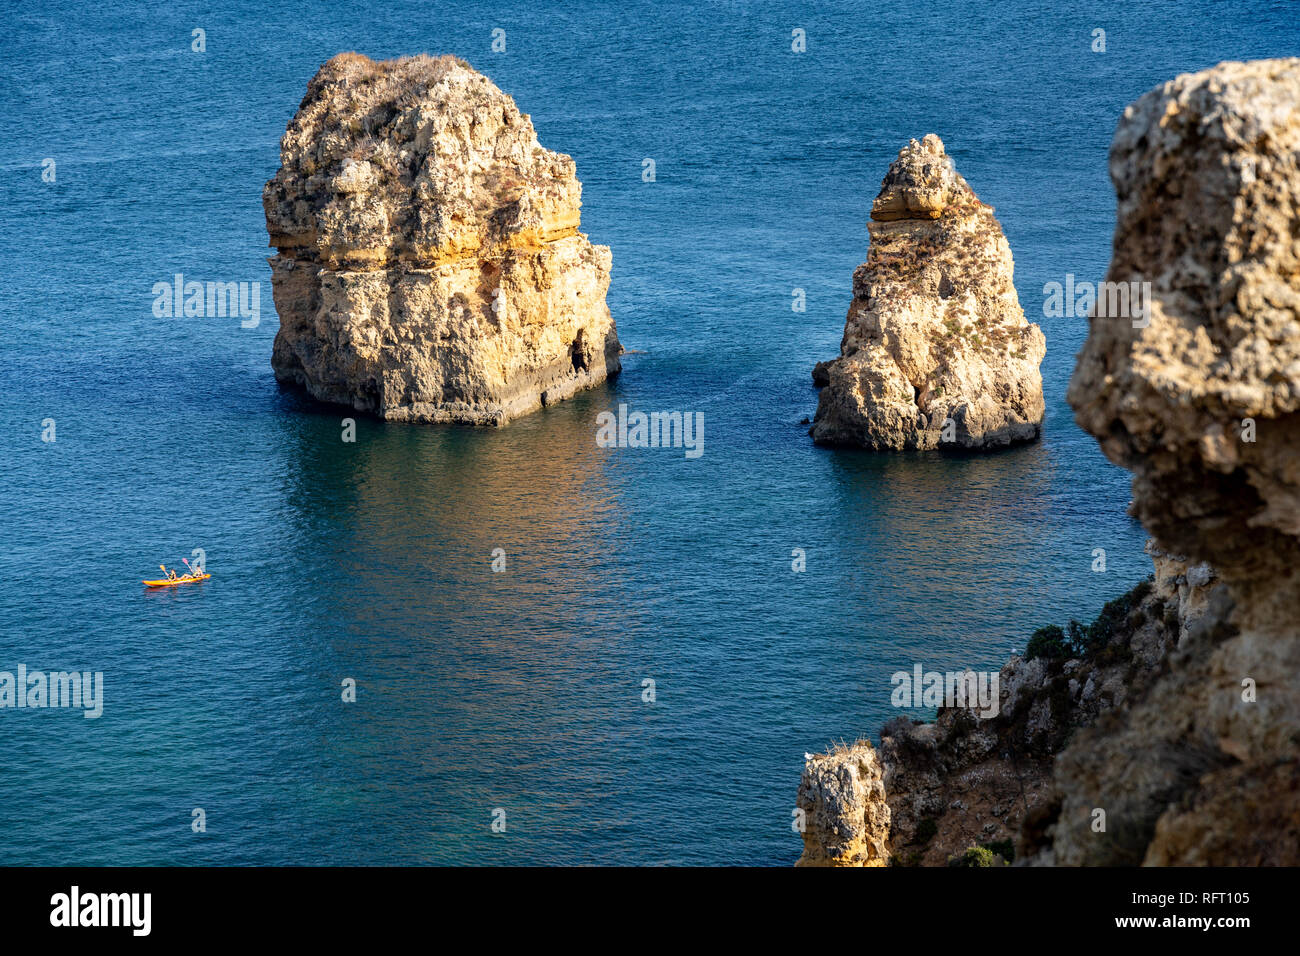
[935, 333]
[429, 263]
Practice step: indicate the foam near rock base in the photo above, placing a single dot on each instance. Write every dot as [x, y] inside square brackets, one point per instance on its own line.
[429, 263]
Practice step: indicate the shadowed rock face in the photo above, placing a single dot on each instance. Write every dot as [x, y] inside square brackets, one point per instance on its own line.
[429, 262]
[970, 779]
[935, 331]
[961, 781]
[1207, 174]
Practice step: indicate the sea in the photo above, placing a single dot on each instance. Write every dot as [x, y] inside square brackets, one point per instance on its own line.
[445, 645]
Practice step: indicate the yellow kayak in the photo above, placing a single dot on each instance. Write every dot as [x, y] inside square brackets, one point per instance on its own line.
[168, 583]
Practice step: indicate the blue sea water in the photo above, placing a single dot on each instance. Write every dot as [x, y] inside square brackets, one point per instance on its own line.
[522, 690]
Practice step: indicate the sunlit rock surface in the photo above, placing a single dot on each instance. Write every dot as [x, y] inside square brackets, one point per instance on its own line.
[429, 261]
[1203, 406]
[936, 349]
[846, 819]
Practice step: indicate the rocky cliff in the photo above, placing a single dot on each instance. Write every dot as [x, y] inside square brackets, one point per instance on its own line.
[936, 350]
[1168, 731]
[966, 781]
[429, 262]
[1202, 403]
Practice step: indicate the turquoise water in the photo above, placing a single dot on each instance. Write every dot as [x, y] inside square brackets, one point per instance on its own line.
[522, 690]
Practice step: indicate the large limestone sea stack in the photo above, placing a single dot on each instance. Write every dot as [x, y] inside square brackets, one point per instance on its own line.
[936, 349]
[429, 263]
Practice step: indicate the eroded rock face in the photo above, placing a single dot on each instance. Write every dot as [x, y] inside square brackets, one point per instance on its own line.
[429, 262]
[1207, 173]
[1185, 584]
[846, 820]
[935, 331]
[1245, 815]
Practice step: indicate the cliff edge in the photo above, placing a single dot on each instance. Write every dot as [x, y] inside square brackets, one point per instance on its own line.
[1201, 401]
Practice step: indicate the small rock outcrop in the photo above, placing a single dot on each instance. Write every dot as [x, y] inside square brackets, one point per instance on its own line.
[936, 349]
[845, 817]
[429, 263]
